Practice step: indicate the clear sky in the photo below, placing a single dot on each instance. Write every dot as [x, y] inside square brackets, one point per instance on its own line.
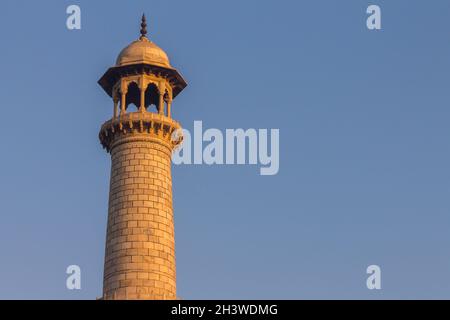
[364, 146]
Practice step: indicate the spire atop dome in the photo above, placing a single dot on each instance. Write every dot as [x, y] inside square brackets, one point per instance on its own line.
[143, 28]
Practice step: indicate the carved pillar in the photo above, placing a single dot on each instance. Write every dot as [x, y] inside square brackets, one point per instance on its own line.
[161, 102]
[142, 107]
[162, 90]
[142, 86]
[116, 101]
[169, 105]
[123, 103]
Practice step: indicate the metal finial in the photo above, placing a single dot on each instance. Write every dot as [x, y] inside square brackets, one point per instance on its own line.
[143, 27]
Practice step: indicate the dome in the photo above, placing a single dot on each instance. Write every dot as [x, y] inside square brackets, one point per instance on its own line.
[143, 51]
[142, 57]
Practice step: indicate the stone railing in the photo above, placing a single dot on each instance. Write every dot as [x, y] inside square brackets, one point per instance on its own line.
[140, 125]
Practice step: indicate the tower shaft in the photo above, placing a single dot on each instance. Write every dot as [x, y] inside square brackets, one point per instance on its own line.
[140, 243]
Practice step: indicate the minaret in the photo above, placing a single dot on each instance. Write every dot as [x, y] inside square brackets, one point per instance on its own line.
[140, 243]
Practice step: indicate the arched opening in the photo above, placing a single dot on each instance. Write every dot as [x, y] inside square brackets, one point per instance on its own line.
[133, 97]
[152, 96]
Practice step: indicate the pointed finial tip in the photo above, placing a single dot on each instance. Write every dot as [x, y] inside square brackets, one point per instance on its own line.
[143, 27]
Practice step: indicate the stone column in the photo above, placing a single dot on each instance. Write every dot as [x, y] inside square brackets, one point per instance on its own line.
[116, 101]
[123, 103]
[161, 103]
[142, 106]
[142, 88]
[169, 106]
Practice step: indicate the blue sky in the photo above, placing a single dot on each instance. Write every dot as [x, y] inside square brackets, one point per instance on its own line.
[364, 146]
